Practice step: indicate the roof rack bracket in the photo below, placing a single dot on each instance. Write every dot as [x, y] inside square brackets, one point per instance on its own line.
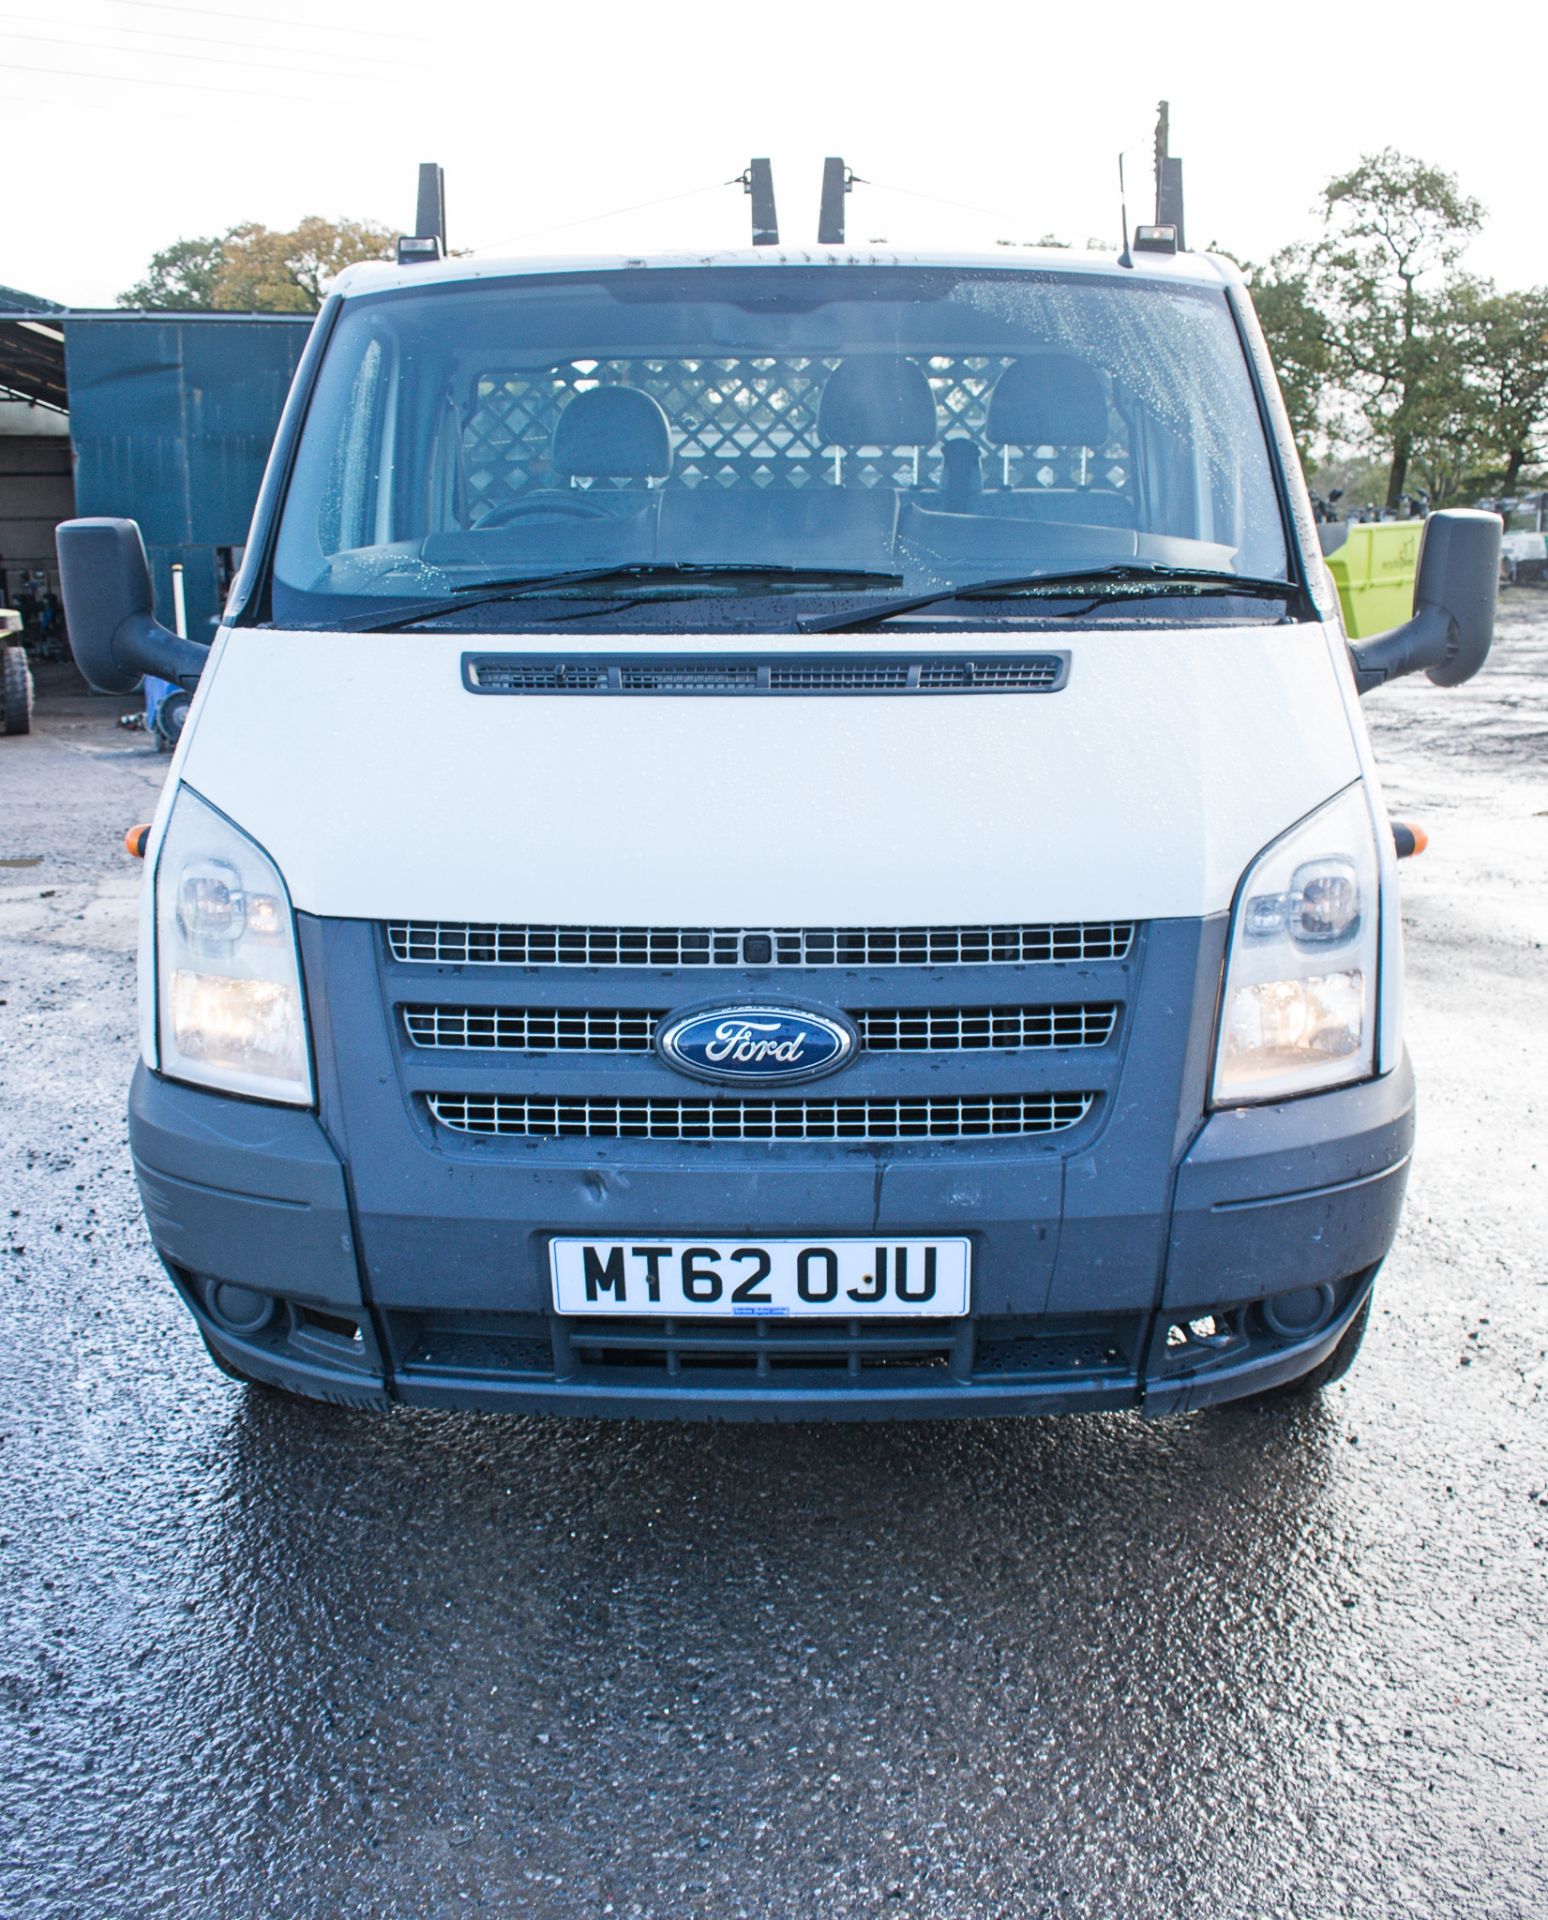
[758, 181]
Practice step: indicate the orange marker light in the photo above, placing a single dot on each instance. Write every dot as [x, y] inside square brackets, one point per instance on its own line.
[1408, 839]
[135, 839]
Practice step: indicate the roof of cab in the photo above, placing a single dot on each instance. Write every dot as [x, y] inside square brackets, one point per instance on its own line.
[1198, 269]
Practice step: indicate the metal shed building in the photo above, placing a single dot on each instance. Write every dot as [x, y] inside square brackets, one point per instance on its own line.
[169, 419]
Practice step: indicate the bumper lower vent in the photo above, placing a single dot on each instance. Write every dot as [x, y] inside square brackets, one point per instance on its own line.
[523, 1116]
[1096, 1358]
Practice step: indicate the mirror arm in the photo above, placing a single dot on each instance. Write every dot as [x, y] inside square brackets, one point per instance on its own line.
[1424, 641]
[143, 645]
[110, 609]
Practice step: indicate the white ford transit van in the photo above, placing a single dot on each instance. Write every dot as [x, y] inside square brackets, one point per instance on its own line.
[774, 836]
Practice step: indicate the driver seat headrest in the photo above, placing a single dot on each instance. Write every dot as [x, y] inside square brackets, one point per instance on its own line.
[612, 432]
[1048, 399]
[875, 401]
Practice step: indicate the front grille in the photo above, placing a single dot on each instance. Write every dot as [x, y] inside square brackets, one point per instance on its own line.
[957, 1029]
[534, 1029]
[972, 1117]
[905, 1030]
[483, 943]
[740, 674]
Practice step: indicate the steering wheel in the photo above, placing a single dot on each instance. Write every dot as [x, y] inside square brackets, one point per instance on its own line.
[553, 506]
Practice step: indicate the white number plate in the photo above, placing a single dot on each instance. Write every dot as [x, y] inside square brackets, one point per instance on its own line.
[847, 1279]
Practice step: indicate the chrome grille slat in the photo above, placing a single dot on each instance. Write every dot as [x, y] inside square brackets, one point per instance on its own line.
[882, 1030]
[972, 1117]
[534, 1029]
[959, 1029]
[484, 943]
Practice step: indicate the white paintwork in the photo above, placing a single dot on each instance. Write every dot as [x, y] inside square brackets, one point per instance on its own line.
[1198, 269]
[384, 789]
[1389, 1008]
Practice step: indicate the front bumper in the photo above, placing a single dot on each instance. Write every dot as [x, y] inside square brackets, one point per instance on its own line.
[1089, 1293]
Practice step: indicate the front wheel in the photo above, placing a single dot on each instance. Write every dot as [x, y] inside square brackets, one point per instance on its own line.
[15, 690]
[171, 713]
[233, 1372]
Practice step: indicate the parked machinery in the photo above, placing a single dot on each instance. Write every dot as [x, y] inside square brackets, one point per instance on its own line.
[1524, 549]
[15, 677]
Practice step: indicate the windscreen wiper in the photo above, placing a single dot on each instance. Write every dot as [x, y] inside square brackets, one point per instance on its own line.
[478, 593]
[1105, 582]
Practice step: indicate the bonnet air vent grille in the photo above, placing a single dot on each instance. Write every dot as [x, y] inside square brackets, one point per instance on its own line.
[515, 674]
[744, 674]
[844, 676]
[493, 944]
[687, 676]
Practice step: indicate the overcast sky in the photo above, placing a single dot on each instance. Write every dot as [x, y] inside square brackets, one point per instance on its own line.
[130, 123]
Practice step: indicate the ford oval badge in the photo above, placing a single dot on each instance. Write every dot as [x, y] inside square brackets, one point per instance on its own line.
[755, 1043]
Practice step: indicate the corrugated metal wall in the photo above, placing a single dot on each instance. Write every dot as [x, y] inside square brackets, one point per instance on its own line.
[171, 422]
[36, 492]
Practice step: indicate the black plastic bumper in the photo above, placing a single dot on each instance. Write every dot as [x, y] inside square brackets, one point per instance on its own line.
[1265, 1200]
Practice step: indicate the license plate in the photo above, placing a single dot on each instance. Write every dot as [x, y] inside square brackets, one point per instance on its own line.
[786, 1279]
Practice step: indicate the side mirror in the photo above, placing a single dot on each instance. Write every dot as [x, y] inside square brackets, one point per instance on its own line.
[110, 610]
[1454, 596]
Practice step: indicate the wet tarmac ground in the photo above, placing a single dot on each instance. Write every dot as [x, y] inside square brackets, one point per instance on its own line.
[272, 1659]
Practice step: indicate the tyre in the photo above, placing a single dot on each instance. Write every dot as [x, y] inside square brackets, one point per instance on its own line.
[15, 690]
[170, 716]
[233, 1372]
[1337, 1364]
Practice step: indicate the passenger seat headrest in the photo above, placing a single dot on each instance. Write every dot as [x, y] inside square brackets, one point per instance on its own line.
[1048, 399]
[873, 400]
[613, 431]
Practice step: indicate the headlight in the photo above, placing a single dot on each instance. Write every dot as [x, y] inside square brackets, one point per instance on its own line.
[228, 982]
[1299, 1010]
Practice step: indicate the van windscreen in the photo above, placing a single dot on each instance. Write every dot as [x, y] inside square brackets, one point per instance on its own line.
[926, 427]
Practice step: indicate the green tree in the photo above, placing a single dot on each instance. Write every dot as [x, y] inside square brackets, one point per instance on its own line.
[1296, 329]
[1395, 230]
[266, 272]
[1505, 340]
[181, 276]
[255, 269]
[1450, 432]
